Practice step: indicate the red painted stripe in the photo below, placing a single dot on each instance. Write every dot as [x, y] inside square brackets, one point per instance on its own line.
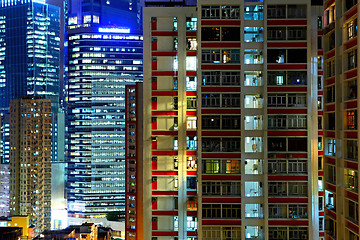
[328, 3]
[190, 133]
[221, 222]
[190, 93]
[164, 193]
[286, 66]
[321, 152]
[190, 113]
[154, 65]
[164, 113]
[191, 193]
[164, 93]
[287, 133]
[153, 165]
[191, 33]
[330, 213]
[154, 45]
[153, 145]
[154, 25]
[351, 74]
[154, 225]
[321, 214]
[352, 165]
[320, 72]
[287, 89]
[220, 44]
[164, 33]
[153, 85]
[286, 44]
[351, 12]
[320, 52]
[330, 134]
[164, 213]
[320, 92]
[330, 160]
[153, 105]
[288, 200]
[287, 22]
[320, 132]
[164, 173]
[329, 186]
[286, 111]
[352, 104]
[221, 177]
[330, 107]
[165, 153]
[289, 222]
[221, 133]
[287, 178]
[191, 73]
[220, 89]
[191, 213]
[220, 111]
[351, 135]
[191, 173]
[330, 81]
[189, 153]
[320, 32]
[330, 54]
[351, 43]
[191, 53]
[154, 185]
[164, 73]
[321, 173]
[164, 233]
[191, 234]
[221, 155]
[352, 226]
[320, 113]
[321, 193]
[221, 200]
[164, 53]
[165, 133]
[351, 195]
[220, 67]
[322, 234]
[220, 22]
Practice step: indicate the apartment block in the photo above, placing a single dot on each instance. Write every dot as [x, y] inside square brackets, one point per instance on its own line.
[30, 160]
[341, 168]
[231, 140]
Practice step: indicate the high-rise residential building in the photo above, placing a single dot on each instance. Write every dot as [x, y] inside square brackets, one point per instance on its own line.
[29, 50]
[133, 162]
[102, 59]
[341, 121]
[230, 146]
[30, 160]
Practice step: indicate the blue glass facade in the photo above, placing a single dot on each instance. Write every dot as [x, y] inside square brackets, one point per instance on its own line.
[101, 61]
[29, 51]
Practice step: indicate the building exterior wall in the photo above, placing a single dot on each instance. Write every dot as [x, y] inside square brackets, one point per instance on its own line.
[30, 160]
[250, 122]
[341, 131]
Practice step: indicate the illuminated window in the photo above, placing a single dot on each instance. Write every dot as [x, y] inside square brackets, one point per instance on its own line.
[351, 121]
[96, 19]
[73, 21]
[191, 123]
[87, 19]
[191, 163]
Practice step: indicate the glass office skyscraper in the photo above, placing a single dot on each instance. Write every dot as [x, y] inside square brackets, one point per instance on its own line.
[29, 50]
[101, 60]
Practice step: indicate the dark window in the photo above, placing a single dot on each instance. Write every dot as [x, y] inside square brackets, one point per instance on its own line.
[276, 33]
[350, 3]
[230, 34]
[210, 100]
[211, 144]
[276, 56]
[231, 122]
[231, 145]
[296, 11]
[210, 122]
[276, 144]
[276, 11]
[331, 121]
[230, 100]
[297, 144]
[320, 42]
[297, 56]
[296, 78]
[211, 78]
[210, 34]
